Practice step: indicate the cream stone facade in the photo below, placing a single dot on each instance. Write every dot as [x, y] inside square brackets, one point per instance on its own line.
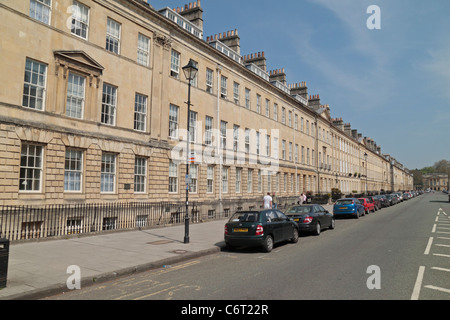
[435, 181]
[93, 109]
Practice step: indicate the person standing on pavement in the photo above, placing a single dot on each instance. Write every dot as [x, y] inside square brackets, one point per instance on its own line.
[274, 201]
[267, 201]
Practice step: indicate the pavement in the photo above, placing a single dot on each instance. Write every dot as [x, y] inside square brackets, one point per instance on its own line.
[37, 269]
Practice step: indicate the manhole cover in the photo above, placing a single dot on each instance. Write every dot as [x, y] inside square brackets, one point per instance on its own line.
[160, 242]
[179, 251]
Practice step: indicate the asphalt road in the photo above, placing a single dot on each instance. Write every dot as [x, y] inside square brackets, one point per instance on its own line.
[397, 253]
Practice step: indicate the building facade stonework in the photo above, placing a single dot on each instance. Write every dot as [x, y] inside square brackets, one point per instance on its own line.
[93, 109]
[435, 181]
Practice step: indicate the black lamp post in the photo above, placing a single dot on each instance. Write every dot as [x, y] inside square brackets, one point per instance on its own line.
[190, 71]
[365, 158]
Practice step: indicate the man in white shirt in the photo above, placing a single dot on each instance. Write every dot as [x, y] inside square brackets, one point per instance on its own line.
[267, 201]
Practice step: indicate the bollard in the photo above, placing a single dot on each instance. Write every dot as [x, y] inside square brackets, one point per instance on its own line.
[4, 256]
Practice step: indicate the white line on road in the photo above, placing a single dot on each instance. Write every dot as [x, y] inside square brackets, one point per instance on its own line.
[440, 269]
[434, 229]
[418, 285]
[438, 288]
[441, 255]
[430, 242]
[443, 245]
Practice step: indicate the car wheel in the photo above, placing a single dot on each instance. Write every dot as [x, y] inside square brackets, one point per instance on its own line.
[268, 244]
[332, 224]
[317, 231]
[294, 238]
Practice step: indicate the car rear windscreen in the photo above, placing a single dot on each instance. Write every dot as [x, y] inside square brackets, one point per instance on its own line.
[245, 217]
[344, 202]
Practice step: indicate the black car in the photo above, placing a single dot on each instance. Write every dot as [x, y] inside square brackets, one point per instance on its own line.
[392, 199]
[260, 228]
[311, 218]
[383, 201]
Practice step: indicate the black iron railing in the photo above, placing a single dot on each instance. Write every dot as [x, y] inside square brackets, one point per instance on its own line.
[30, 222]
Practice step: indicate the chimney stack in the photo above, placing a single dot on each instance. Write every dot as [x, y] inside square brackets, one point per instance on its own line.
[192, 12]
[230, 39]
[278, 75]
[299, 89]
[258, 59]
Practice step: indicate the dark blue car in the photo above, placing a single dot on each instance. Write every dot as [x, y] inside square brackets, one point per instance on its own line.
[348, 207]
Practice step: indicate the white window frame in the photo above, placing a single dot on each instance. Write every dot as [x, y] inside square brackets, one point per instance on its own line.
[236, 92]
[238, 180]
[235, 137]
[208, 130]
[143, 50]
[108, 173]
[193, 173]
[223, 87]
[192, 126]
[41, 10]
[73, 170]
[140, 174]
[209, 80]
[34, 70]
[249, 180]
[173, 121]
[113, 34]
[225, 179]
[247, 98]
[173, 177]
[223, 134]
[175, 64]
[258, 103]
[210, 179]
[140, 112]
[109, 104]
[80, 20]
[76, 90]
[31, 167]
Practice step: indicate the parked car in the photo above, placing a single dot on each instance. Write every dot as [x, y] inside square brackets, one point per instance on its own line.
[311, 217]
[406, 196]
[399, 195]
[376, 202]
[393, 199]
[260, 228]
[368, 206]
[383, 201]
[348, 207]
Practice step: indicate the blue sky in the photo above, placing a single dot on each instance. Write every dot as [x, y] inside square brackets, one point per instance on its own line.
[391, 84]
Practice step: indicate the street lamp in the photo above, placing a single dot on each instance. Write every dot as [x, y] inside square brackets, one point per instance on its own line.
[190, 71]
[365, 158]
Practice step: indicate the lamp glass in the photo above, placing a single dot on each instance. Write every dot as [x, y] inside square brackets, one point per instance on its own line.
[190, 70]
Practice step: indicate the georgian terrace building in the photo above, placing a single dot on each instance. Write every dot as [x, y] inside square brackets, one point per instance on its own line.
[93, 109]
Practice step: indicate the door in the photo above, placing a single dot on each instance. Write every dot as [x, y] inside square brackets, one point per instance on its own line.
[326, 217]
[286, 226]
[275, 225]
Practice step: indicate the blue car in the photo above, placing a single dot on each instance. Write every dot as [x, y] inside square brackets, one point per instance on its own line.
[348, 207]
